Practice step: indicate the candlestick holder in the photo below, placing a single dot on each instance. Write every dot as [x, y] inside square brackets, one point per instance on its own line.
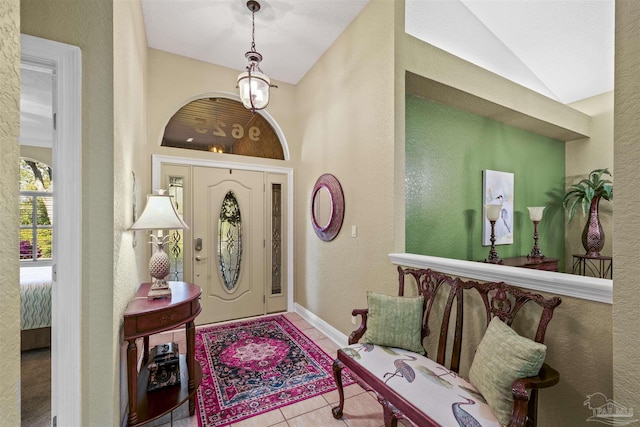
[493, 213]
[535, 214]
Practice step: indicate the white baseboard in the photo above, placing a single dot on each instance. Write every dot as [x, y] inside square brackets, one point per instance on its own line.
[332, 333]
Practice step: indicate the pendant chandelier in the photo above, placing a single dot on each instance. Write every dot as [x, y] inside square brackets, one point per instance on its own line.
[253, 84]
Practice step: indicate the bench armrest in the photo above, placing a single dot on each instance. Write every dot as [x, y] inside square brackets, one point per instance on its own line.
[358, 333]
[547, 377]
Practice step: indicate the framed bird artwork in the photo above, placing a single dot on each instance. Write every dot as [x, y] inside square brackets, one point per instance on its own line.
[498, 190]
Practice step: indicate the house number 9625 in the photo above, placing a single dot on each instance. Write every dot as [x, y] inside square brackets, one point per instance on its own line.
[220, 130]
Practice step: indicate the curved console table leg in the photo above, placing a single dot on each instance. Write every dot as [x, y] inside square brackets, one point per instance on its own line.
[132, 356]
[191, 334]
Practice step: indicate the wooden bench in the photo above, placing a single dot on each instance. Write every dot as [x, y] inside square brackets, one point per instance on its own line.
[446, 298]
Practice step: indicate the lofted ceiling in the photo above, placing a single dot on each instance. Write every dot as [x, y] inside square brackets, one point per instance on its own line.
[560, 48]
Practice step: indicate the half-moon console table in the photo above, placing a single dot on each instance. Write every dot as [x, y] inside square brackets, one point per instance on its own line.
[144, 317]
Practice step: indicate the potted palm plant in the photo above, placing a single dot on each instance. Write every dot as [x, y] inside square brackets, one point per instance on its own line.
[587, 194]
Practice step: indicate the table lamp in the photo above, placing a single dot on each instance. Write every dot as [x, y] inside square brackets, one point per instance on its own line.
[493, 213]
[535, 213]
[159, 214]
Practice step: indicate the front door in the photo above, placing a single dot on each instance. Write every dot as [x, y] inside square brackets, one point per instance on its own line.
[229, 239]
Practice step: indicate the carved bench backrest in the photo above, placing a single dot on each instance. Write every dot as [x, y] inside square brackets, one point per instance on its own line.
[499, 299]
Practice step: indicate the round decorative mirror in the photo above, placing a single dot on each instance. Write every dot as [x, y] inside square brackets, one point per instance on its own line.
[327, 207]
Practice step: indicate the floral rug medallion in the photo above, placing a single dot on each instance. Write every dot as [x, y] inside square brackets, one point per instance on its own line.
[255, 366]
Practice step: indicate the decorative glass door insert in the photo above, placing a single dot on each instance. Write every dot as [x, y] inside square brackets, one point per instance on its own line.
[176, 249]
[230, 241]
[276, 239]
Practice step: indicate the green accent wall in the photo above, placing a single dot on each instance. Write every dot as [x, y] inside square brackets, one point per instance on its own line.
[446, 152]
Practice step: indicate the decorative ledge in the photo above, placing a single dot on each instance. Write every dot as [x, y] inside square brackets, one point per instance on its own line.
[588, 288]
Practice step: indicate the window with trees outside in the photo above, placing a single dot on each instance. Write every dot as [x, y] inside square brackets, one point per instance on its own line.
[36, 212]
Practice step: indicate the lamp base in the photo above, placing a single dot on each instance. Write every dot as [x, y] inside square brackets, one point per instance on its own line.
[494, 259]
[535, 252]
[493, 255]
[159, 269]
[159, 290]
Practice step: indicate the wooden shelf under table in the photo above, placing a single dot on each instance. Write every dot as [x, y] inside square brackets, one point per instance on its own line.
[156, 403]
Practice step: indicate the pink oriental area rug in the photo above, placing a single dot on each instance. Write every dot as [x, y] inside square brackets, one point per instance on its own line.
[255, 366]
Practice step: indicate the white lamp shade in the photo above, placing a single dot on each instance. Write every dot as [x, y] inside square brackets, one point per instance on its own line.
[535, 213]
[159, 214]
[254, 90]
[493, 212]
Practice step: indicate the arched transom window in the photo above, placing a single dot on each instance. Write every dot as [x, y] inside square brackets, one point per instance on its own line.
[222, 125]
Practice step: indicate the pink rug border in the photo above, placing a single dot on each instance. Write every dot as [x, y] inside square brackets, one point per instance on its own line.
[347, 380]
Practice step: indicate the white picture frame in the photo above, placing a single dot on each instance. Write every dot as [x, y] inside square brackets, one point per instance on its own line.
[498, 189]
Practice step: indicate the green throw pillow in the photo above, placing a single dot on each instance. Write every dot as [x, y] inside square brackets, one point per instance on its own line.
[395, 321]
[502, 357]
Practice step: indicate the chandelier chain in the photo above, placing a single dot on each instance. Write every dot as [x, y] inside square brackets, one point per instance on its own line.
[254, 85]
[253, 31]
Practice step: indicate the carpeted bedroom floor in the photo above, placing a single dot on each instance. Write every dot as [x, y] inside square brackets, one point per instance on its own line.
[36, 387]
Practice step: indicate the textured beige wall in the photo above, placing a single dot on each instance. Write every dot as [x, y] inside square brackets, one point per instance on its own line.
[9, 131]
[585, 155]
[345, 113]
[190, 79]
[580, 347]
[399, 90]
[626, 298]
[88, 25]
[130, 136]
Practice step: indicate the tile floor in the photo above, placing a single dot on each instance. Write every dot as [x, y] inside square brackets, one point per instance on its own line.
[361, 409]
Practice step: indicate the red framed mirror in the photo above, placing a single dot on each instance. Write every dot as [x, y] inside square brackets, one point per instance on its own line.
[327, 207]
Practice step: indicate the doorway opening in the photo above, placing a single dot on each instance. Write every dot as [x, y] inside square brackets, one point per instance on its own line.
[63, 63]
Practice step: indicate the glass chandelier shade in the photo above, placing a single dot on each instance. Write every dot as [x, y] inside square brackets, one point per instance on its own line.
[253, 84]
[254, 88]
